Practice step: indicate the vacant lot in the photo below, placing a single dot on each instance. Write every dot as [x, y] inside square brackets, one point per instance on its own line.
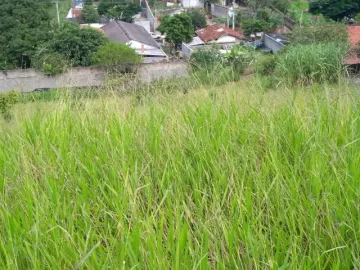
[228, 178]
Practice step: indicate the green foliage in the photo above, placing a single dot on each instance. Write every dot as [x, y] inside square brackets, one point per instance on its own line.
[335, 9]
[197, 17]
[24, 25]
[116, 56]
[7, 101]
[220, 20]
[252, 26]
[266, 65]
[177, 28]
[50, 63]
[89, 14]
[88, 2]
[320, 33]
[76, 44]
[210, 66]
[357, 18]
[119, 9]
[282, 5]
[264, 19]
[227, 177]
[314, 63]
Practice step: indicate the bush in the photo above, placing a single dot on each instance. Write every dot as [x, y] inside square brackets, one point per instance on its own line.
[89, 14]
[266, 65]
[252, 26]
[51, 63]
[320, 33]
[118, 57]
[315, 63]
[197, 17]
[212, 67]
[6, 102]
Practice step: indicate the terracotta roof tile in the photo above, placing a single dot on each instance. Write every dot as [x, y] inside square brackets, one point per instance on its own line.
[76, 12]
[354, 38]
[213, 32]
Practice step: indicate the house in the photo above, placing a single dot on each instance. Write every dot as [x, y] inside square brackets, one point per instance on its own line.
[137, 38]
[192, 3]
[352, 59]
[220, 35]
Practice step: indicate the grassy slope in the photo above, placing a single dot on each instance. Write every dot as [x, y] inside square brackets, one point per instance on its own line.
[230, 178]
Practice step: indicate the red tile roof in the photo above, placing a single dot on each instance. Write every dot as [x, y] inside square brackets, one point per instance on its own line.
[76, 12]
[213, 32]
[354, 38]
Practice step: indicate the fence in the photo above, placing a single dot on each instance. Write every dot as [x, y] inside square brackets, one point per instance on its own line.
[30, 79]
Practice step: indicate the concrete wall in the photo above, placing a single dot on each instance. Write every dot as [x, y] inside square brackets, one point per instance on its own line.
[219, 11]
[272, 44]
[30, 79]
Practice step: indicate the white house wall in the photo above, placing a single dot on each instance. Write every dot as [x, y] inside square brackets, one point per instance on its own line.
[227, 39]
[136, 45]
[192, 3]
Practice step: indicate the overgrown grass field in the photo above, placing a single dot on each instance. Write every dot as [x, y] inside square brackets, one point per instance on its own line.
[229, 178]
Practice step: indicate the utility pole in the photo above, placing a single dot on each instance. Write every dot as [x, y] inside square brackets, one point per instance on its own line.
[57, 11]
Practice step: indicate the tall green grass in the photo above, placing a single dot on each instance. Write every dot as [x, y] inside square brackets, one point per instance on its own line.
[314, 63]
[228, 179]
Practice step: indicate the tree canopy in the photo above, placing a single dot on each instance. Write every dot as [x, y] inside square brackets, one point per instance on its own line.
[335, 9]
[75, 44]
[119, 9]
[177, 28]
[24, 24]
[197, 17]
[89, 14]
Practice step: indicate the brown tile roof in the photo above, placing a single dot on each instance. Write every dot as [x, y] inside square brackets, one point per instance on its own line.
[76, 12]
[354, 38]
[213, 32]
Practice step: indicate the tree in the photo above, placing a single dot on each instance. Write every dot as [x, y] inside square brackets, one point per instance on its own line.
[197, 17]
[24, 25]
[116, 55]
[119, 9]
[89, 14]
[335, 9]
[88, 2]
[177, 28]
[76, 44]
[281, 5]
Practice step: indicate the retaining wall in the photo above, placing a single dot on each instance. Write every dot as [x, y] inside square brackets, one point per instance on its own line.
[30, 79]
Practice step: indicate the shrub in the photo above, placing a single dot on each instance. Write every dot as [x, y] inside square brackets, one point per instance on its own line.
[89, 14]
[206, 58]
[315, 63]
[212, 67]
[266, 65]
[252, 26]
[6, 102]
[220, 20]
[320, 33]
[51, 63]
[197, 17]
[118, 57]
